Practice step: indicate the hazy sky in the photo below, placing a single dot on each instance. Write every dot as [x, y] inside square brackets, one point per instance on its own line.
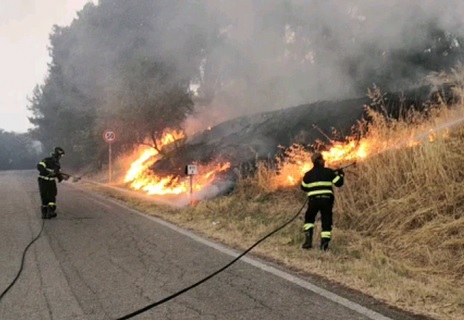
[24, 29]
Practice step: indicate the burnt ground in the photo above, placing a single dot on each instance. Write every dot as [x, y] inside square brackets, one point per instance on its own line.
[246, 139]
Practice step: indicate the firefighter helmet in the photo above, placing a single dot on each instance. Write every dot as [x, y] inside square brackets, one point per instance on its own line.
[58, 152]
[316, 157]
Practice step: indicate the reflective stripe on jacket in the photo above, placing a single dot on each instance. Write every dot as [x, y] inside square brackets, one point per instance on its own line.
[48, 168]
[320, 181]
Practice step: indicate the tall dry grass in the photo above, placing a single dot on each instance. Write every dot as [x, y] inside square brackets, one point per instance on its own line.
[399, 218]
[412, 201]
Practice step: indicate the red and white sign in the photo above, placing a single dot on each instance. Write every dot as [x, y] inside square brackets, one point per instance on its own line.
[109, 136]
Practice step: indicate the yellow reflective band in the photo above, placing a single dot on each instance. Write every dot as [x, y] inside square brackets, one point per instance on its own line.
[308, 226]
[52, 204]
[336, 179]
[326, 234]
[317, 192]
[317, 184]
[43, 164]
[46, 178]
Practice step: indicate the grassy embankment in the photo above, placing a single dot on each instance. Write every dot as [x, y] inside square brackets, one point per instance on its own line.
[399, 220]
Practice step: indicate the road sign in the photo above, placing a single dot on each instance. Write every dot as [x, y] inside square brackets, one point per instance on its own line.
[109, 136]
[191, 169]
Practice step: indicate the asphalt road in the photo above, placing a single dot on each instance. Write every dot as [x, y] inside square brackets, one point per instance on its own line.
[99, 260]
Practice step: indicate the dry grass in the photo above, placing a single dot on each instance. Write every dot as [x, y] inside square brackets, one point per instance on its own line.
[399, 221]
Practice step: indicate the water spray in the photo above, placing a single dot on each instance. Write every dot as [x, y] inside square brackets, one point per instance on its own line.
[424, 135]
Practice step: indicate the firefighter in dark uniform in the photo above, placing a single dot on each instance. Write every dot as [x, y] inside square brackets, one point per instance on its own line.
[49, 171]
[318, 184]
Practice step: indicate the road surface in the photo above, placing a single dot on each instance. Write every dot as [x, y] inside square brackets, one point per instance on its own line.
[100, 260]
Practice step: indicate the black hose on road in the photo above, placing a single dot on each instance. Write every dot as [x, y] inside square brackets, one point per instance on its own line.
[22, 262]
[157, 303]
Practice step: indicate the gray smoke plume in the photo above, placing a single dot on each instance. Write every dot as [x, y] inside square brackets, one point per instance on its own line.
[276, 54]
[250, 56]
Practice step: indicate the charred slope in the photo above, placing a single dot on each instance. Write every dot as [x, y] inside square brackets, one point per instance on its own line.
[258, 136]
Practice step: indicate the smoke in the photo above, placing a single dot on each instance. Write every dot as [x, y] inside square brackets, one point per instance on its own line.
[249, 56]
[275, 54]
[35, 147]
[220, 186]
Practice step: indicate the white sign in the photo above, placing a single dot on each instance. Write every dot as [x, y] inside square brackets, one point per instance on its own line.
[109, 136]
[192, 169]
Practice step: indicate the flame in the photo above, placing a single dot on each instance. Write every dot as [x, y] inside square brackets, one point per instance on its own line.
[139, 166]
[141, 177]
[169, 137]
[298, 160]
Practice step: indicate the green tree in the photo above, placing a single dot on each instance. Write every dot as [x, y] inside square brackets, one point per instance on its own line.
[148, 100]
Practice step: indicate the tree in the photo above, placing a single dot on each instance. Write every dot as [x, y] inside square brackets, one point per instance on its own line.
[115, 67]
[148, 100]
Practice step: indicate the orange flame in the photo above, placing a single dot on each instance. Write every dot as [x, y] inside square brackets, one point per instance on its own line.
[141, 177]
[139, 166]
[298, 160]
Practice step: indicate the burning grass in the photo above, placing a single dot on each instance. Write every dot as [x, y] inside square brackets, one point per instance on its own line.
[141, 177]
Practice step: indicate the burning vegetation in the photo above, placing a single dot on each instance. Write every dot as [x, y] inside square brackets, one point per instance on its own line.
[141, 177]
[369, 141]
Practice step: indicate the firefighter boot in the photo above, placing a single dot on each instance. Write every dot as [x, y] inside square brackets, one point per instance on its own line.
[325, 244]
[308, 244]
[51, 212]
[44, 212]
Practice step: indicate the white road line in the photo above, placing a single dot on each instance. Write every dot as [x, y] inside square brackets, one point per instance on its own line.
[371, 314]
[101, 203]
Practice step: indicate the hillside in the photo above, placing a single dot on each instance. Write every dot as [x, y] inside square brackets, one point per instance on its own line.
[259, 136]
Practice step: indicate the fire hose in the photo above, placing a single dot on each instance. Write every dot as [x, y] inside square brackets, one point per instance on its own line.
[346, 166]
[178, 293]
[22, 262]
[63, 176]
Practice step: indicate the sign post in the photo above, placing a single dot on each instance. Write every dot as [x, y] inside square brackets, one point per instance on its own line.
[191, 170]
[109, 136]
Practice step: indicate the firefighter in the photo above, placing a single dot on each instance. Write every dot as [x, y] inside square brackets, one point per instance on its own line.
[49, 171]
[318, 184]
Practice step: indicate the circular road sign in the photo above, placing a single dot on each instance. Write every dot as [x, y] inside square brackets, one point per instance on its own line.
[109, 136]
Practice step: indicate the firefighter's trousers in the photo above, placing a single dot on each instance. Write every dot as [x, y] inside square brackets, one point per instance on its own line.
[48, 192]
[324, 204]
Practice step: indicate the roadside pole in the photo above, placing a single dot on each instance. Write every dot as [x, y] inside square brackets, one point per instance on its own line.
[109, 136]
[191, 170]
[109, 163]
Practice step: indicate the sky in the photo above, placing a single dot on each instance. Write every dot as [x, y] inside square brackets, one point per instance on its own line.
[24, 29]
